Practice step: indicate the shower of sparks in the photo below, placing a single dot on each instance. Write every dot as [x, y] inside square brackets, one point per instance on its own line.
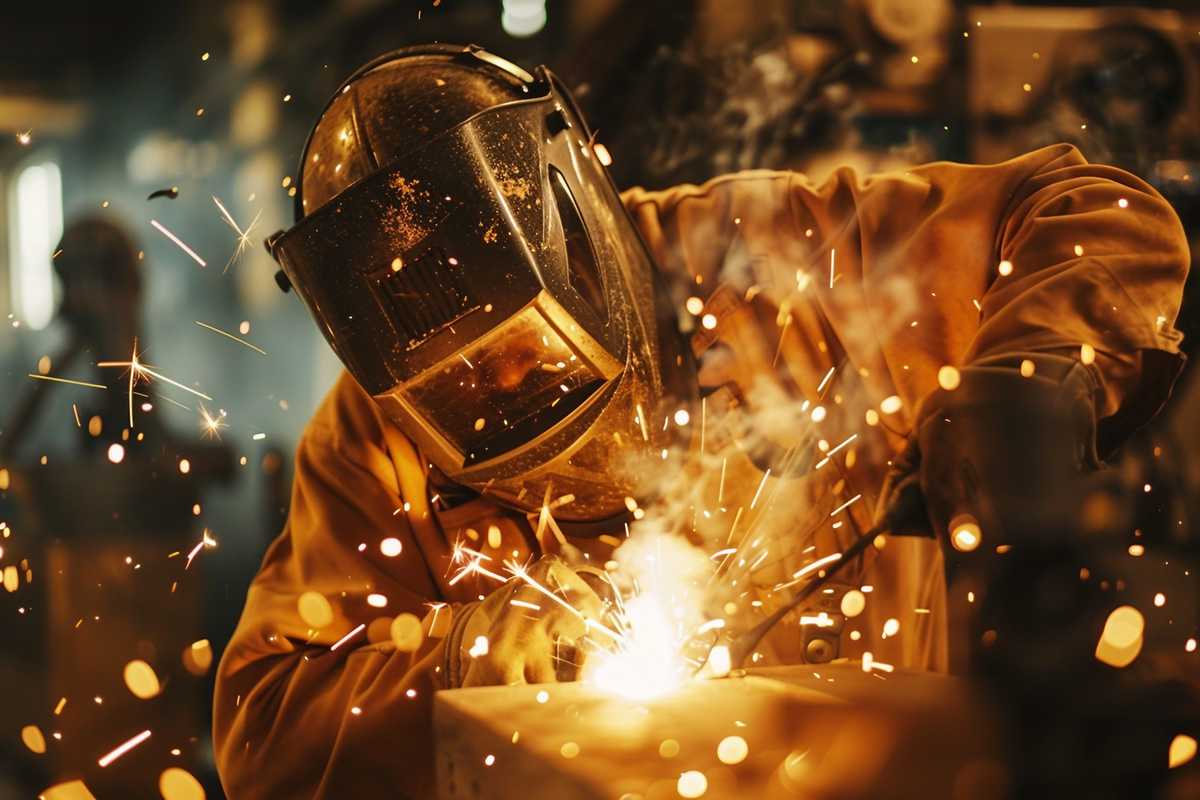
[182, 246]
[138, 371]
[215, 329]
[243, 235]
[520, 572]
[67, 380]
[122, 749]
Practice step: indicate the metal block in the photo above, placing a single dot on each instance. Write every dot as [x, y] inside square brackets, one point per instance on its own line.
[830, 732]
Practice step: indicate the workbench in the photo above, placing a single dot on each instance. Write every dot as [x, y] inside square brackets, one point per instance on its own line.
[833, 731]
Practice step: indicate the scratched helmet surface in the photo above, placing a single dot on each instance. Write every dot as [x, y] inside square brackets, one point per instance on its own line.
[471, 263]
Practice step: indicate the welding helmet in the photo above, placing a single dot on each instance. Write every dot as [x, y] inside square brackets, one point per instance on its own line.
[471, 263]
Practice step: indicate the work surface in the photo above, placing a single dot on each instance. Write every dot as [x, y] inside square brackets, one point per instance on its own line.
[828, 732]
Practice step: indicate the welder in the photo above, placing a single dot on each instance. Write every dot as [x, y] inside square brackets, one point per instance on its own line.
[518, 336]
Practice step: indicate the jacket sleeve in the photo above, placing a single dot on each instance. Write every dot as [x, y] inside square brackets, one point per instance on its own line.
[905, 272]
[320, 702]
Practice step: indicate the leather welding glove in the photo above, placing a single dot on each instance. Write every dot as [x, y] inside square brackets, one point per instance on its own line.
[1009, 449]
[530, 637]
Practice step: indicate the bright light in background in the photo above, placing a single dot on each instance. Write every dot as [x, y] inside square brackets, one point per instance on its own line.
[36, 223]
[521, 18]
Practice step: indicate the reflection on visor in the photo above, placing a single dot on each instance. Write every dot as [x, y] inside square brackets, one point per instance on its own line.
[504, 389]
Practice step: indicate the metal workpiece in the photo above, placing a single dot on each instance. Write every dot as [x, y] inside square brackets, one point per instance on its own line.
[815, 732]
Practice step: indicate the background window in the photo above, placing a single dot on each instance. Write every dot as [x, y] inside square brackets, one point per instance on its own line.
[35, 226]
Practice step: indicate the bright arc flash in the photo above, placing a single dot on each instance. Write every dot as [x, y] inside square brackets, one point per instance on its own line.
[649, 665]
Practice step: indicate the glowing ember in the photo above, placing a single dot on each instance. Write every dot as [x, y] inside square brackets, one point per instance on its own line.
[732, 750]
[406, 633]
[71, 790]
[314, 610]
[391, 547]
[966, 535]
[853, 603]
[1182, 750]
[948, 378]
[32, 736]
[1121, 640]
[179, 784]
[141, 680]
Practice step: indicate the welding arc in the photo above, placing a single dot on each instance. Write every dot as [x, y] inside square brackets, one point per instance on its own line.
[742, 646]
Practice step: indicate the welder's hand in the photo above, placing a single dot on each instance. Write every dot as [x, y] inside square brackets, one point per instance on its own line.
[1006, 450]
[530, 638]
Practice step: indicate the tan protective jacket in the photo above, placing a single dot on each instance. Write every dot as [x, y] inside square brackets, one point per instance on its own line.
[883, 279]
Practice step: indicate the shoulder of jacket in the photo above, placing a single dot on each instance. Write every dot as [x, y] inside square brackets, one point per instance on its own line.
[637, 196]
[347, 419]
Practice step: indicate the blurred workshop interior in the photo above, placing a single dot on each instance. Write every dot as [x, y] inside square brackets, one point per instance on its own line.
[161, 139]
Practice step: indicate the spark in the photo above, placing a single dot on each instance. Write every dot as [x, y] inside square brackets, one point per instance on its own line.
[761, 484]
[808, 569]
[825, 380]
[138, 371]
[845, 505]
[211, 425]
[461, 551]
[67, 380]
[214, 329]
[347, 637]
[163, 230]
[469, 569]
[832, 262]
[122, 749]
[243, 235]
[467, 360]
[524, 604]
[205, 541]
[869, 664]
[519, 572]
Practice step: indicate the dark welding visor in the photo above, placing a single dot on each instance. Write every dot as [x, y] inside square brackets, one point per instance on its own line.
[462, 285]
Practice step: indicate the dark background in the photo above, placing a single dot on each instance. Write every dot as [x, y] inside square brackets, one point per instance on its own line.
[679, 90]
